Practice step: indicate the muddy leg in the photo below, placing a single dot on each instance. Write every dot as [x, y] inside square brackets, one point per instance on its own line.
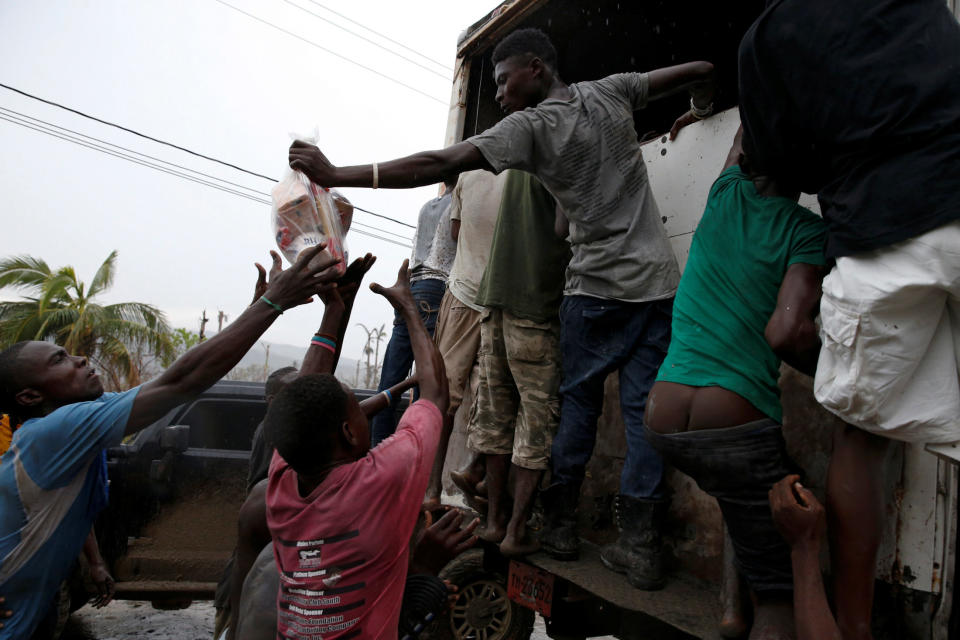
[498, 471]
[733, 622]
[518, 541]
[855, 511]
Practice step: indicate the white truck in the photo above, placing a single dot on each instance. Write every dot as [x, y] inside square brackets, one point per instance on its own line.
[916, 564]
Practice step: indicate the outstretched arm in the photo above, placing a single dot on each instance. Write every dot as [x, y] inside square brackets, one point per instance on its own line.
[209, 361]
[338, 305]
[697, 78]
[792, 331]
[375, 404]
[417, 170]
[430, 372]
[800, 518]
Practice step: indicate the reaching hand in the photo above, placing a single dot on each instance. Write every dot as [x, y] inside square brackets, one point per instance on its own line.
[399, 294]
[444, 540]
[310, 275]
[261, 287]
[798, 514]
[349, 282]
[105, 585]
[309, 160]
[685, 120]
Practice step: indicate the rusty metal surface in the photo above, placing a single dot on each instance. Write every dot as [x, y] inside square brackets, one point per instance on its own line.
[685, 603]
[495, 25]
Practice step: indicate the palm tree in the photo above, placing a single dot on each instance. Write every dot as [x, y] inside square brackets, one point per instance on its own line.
[59, 307]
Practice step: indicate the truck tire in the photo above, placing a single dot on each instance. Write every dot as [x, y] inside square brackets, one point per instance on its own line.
[52, 625]
[482, 609]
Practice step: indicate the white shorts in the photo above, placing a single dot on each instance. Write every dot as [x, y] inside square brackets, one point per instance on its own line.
[890, 325]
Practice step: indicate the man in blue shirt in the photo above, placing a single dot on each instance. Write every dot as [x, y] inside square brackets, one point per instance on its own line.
[53, 478]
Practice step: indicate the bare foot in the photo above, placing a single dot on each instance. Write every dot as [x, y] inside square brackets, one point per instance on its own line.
[773, 621]
[492, 532]
[512, 547]
[465, 483]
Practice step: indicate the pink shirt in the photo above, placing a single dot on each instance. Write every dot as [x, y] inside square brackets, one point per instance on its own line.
[343, 550]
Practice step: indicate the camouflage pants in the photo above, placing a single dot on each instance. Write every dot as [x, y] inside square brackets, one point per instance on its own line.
[516, 409]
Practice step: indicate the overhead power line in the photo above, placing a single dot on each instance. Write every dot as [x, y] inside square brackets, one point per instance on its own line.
[136, 133]
[385, 37]
[331, 52]
[122, 148]
[163, 142]
[90, 145]
[117, 154]
[373, 42]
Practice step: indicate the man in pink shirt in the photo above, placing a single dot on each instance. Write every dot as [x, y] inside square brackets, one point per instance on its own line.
[340, 514]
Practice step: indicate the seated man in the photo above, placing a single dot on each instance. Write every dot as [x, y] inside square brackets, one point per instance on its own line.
[341, 515]
[53, 477]
[748, 298]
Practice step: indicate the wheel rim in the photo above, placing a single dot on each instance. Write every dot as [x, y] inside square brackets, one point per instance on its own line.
[482, 612]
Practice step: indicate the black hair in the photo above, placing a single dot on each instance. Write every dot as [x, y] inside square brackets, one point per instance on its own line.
[275, 381]
[303, 420]
[530, 41]
[9, 380]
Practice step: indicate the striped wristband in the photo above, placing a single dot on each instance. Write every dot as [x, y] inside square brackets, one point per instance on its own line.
[389, 395]
[326, 343]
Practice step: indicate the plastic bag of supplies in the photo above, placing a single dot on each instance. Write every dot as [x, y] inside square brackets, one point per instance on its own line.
[305, 214]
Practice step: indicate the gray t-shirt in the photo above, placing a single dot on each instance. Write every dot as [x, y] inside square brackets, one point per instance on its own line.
[585, 152]
[433, 248]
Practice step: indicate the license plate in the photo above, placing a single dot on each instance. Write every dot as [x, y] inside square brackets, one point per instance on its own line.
[530, 587]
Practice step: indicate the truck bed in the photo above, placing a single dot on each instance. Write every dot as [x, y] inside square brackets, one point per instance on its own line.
[687, 604]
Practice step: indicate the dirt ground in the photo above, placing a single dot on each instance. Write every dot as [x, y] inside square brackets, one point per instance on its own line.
[129, 620]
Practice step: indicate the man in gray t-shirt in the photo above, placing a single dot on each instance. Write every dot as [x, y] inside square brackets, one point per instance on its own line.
[579, 140]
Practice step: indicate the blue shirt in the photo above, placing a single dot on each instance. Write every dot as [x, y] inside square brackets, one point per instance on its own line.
[52, 485]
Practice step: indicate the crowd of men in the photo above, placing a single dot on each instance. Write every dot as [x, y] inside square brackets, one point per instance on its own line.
[542, 268]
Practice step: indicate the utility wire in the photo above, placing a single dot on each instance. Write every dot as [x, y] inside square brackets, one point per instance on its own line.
[331, 52]
[122, 156]
[169, 144]
[384, 217]
[144, 155]
[387, 38]
[373, 42]
[357, 223]
[136, 133]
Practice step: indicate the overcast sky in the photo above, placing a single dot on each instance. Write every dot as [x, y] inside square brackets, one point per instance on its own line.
[203, 75]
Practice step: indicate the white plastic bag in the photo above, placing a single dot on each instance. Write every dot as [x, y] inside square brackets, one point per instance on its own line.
[305, 214]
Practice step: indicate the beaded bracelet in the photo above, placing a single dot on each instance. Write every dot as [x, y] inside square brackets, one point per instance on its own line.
[272, 304]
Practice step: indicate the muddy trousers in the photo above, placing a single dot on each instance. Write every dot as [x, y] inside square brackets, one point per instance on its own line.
[597, 337]
[738, 466]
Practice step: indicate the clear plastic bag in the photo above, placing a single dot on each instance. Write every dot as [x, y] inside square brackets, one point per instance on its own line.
[305, 214]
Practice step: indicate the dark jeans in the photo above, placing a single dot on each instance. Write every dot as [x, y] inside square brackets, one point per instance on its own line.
[598, 337]
[399, 356]
[738, 466]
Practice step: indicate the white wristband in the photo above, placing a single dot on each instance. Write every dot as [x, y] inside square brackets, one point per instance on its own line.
[700, 112]
[376, 176]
